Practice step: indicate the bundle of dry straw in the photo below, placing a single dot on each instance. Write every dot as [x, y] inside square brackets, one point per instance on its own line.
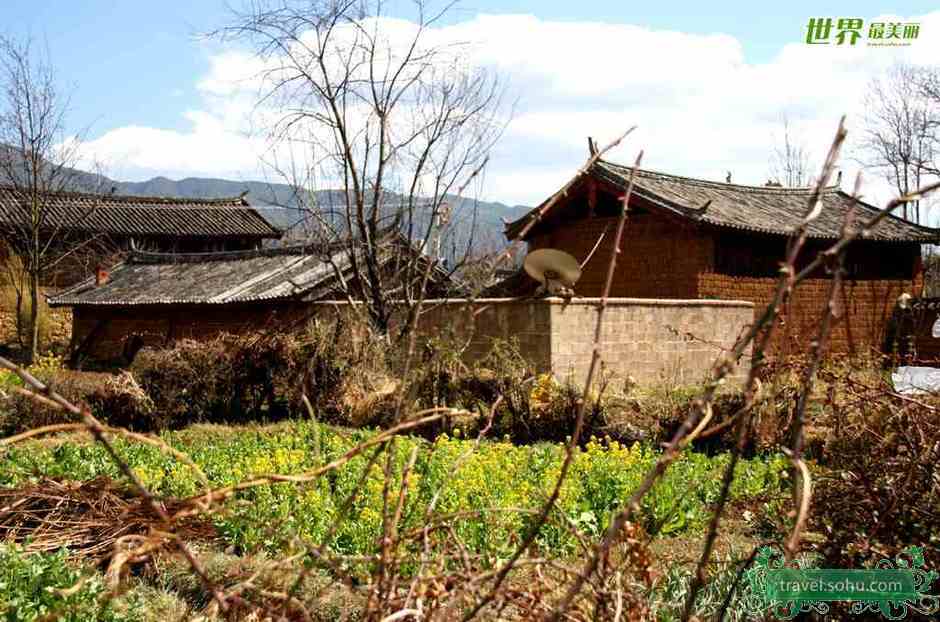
[87, 518]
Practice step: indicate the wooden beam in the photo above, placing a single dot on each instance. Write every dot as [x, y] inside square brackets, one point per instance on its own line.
[592, 197]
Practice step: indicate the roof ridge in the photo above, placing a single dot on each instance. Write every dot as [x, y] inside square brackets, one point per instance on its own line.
[720, 184]
[153, 257]
[133, 198]
[310, 248]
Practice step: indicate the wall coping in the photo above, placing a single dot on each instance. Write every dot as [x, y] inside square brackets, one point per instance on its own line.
[591, 301]
[653, 302]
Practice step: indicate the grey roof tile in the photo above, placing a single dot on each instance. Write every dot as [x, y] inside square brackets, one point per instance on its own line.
[302, 272]
[762, 209]
[206, 278]
[144, 216]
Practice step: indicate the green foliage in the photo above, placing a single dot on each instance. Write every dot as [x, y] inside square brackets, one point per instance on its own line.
[669, 593]
[494, 487]
[39, 586]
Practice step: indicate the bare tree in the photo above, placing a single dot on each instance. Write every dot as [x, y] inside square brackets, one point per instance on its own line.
[790, 161]
[381, 110]
[928, 83]
[36, 159]
[900, 138]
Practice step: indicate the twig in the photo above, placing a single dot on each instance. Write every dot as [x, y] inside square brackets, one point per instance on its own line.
[591, 161]
[579, 422]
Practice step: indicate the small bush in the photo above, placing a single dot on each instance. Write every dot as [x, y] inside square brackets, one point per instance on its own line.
[347, 374]
[878, 493]
[42, 586]
[19, 412]
[229, 379]
[123, 403]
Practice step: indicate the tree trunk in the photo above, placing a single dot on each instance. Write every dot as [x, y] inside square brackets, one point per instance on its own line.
[33, 316]
[19, 316]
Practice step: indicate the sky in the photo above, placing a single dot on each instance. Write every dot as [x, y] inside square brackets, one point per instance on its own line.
[706, 83]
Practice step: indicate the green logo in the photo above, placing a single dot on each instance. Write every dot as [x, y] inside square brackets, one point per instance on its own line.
[848, 30]
[893, 588]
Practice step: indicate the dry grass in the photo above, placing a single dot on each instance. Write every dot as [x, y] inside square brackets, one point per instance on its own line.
[88, 518]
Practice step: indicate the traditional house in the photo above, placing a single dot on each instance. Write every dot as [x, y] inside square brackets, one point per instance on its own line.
[86, 227]
[153, 299]
[695, 239]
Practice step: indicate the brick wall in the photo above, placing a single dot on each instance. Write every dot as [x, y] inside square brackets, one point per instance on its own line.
[868, 305]
[655, 341]
[158, 325]
[674, 341]
[660, 259]
[665, 260]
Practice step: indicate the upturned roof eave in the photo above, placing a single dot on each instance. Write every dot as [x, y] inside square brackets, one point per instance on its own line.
[697, 215]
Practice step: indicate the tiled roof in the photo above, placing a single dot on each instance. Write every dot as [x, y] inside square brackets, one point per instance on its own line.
[144, 216]
[293, 272]
[763, 209]
[205, 278]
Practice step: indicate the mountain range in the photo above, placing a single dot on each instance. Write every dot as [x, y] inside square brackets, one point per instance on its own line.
[278, 204]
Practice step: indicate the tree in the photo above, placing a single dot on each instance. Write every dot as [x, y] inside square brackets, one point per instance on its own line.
[790, 161]
[380, 109]
[928, 83]
[900, 134]
[36, 159]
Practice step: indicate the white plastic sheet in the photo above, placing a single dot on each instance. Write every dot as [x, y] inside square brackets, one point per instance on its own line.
[916, 380]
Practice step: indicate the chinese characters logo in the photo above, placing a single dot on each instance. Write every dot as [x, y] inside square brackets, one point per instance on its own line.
[849, 30]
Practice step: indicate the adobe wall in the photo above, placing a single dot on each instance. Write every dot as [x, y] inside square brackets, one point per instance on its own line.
[653, 340]
[868, 305]
[160, 325]
[659, 259]
[662, 259]
[477, 325]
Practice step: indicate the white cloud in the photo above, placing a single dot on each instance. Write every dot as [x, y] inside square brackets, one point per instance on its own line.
[701, 107]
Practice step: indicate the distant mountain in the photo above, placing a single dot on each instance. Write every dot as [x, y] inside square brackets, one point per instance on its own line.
[278, 203]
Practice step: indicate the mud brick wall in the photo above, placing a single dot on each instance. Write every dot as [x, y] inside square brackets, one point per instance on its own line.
[867, 306]
[527, 322]
[160, 325]
[654, 341]
[660, 258]
[663, 259]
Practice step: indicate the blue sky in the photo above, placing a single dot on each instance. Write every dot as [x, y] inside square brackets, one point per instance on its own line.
[141, 65]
